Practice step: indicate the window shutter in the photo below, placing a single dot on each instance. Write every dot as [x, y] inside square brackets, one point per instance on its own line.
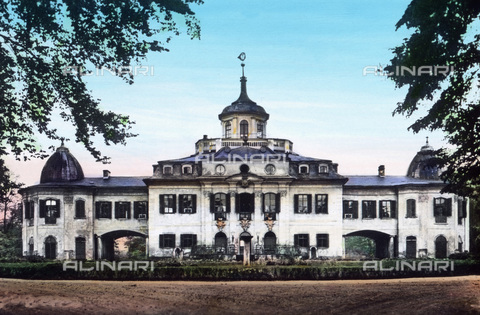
[237, 203]
[252, 203]
[109, 207]
[295, 204]
[135, 209]
[355, 209]
[161, 240]
[97, 209]
[277, 203]
[194, 203]
[181, 206]
[263, 203]
[162, 204]
[212, 203]
[448, 207]
[57, 208]
[42, 208]
[394, 209]
[309, 201]
[194, 240]
[295, 239]
[174, 203]
[326, 204]
[128, 210]
[327, 241]
[464, 209]
[117, 209]
[227, 197]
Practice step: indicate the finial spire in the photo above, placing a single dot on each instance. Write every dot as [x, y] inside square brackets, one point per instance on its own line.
[427, 140]
[243, 98]
[63, 140]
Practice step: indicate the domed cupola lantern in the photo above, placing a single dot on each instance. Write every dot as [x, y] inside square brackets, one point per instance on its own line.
[243, 119]
[425, 164]
[62, 166]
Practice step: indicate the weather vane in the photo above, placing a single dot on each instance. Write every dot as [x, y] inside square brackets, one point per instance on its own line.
[242, 57]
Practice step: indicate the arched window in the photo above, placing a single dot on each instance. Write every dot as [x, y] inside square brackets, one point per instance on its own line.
[220, 242]
[80, 250]
[79, 209]
[270, 243]
[244, 128]
[411, 250]
[50, 247]
[441, 247]
[30, 246]
[228, 129]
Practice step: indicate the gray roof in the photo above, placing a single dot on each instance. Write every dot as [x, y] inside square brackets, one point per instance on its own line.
[388, 181]
[99, 182]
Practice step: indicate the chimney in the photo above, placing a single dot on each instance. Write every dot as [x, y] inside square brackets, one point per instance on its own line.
[381, 171]
[106, 174]
[205, 137]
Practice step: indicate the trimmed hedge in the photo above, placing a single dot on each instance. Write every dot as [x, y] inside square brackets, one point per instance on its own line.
[229, 272]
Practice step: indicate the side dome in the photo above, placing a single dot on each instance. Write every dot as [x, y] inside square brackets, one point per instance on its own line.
[425, 164]
[62, 166]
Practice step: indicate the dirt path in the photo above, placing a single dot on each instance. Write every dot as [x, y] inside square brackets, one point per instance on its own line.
[455, 295]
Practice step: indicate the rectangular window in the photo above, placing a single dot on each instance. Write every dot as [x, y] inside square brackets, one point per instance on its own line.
[80, 209]
[321, 203]
[462, 210]
[271, 205]
[303, 203]
[387, 209]
[411, 211]
[50, 210]
[103, 210]
[301, 240]
[369, 209]
[187, 203]
[322, 241]
[188, 240]
[29, 209]
[259, 130]
[140, 210]
[167, 241]
[350, 209]
[168, 204]
[122, 210]
[442, 208]
[220, 205]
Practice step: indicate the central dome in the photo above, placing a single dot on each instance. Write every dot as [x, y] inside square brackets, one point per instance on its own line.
[243, 105]
[62, 166]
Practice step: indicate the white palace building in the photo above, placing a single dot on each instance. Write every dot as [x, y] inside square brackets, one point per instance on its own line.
[242, 195]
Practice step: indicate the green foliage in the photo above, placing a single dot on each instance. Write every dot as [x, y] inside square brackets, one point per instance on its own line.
[359, 246]
[445, 33]
[216, 272]
[45, 46]
[136, 247]
[11, 244]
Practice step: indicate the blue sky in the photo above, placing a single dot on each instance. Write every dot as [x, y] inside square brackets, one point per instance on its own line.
[304, 65]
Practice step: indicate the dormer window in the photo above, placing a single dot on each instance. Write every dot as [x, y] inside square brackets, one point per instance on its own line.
[323, 169]
[303, 169]
[243, 128]
[186, 169]
[228, 129]
[167, 170]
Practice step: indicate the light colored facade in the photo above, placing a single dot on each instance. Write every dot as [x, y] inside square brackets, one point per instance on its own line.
[240, 195]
